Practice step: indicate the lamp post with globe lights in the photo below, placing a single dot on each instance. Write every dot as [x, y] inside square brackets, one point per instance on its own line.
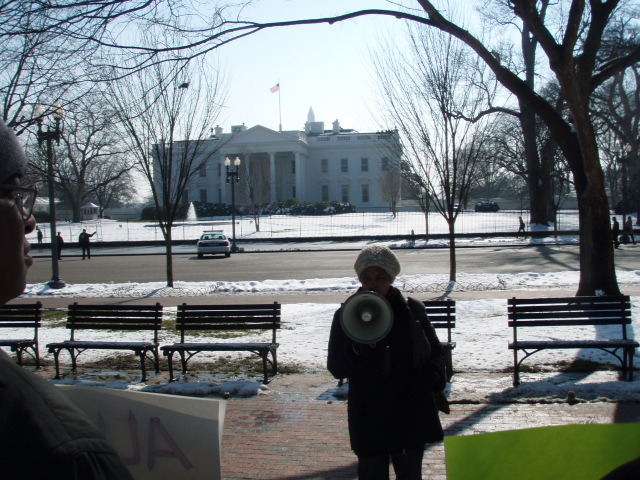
[48, 136]
[233, 178]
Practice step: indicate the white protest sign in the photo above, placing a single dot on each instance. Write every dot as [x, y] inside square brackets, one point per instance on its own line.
[157, 436]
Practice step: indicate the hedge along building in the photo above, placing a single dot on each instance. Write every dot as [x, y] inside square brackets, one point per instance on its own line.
[313, 165]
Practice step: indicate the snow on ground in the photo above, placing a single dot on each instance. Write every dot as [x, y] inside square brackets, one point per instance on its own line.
[481, 357]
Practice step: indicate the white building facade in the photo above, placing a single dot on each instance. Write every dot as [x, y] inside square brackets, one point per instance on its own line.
[313, 165]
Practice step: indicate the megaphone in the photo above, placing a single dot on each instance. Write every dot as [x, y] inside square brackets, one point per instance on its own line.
[366, 317]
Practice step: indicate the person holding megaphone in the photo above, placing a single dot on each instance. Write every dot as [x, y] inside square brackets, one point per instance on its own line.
[384, 344]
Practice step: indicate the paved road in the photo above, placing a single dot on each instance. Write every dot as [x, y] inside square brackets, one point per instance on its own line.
[314, 264]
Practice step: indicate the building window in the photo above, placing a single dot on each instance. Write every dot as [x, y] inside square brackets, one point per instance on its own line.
[364, 164]
[293, 167]
[203, 195]
[185, 198]
[325, 193]
[203, 170]
[385, 164]
[344, 165]
[345, 193]
[365, 193]
[324, 165]
[293, 192]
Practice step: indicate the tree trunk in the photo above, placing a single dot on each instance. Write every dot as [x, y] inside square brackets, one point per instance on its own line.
[76, 216]
[426, 222]
[452, 251]
[597, 265]
[169, 256]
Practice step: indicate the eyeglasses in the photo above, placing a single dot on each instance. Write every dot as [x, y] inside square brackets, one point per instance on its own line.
[25, 198]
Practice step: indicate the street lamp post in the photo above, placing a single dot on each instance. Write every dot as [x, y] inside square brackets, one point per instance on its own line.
[232, 178]
[49, 136]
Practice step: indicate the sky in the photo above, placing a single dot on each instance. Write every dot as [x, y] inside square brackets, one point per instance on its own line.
[324, 67]
[481, 333]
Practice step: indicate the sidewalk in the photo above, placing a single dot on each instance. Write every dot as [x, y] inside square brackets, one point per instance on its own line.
[299, 430]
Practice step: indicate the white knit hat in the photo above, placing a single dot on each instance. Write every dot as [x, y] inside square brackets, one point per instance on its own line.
[377, 256]
[12, 156]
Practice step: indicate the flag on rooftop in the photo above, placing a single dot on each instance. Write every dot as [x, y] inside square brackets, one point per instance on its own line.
[275, 88]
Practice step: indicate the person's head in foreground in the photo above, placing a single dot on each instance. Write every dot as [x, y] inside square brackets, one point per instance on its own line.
[16, 221]
[377, 267]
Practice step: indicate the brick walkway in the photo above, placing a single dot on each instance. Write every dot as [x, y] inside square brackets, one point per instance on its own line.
[299, 431]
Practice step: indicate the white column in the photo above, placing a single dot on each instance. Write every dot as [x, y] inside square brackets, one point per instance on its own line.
[224, 186]
[300, 193]
[272, 175]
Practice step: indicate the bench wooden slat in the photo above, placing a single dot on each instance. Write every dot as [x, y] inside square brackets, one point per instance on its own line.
[544, 344]
[229, 326]
[572, 312]
[600, 300]
[246, 306]
[545, 321]
[119, 326]
[22, 316]
[225, 319]
[114, 310]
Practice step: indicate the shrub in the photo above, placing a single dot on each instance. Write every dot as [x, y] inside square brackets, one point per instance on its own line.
[296, 207]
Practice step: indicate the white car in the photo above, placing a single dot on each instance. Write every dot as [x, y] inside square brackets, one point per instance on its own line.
[213, 243]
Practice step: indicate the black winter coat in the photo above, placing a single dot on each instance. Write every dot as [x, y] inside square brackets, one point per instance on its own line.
[391, 406]
[42, 435]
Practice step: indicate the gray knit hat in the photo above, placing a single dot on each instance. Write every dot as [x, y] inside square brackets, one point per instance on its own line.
[377, 256]
[12, 156]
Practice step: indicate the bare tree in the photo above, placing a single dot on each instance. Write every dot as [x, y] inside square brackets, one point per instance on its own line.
[90, 157]
[616, 108]
[118, 192]
[391, 188]
[255, 178]
[167, 112]
[425, 95]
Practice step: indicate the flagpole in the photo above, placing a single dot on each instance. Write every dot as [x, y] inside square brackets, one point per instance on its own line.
[279, 107]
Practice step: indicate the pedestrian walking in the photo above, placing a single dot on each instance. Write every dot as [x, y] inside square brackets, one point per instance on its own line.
[84, 239]
[628, 229]
[615, 232]
[522, 227]
[60, 244]
[40, 237]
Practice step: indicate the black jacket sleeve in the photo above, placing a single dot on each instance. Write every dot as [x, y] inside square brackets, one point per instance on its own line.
[339, 345]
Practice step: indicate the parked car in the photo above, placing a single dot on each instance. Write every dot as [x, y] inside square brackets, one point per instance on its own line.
[487, 206]
[213, 243]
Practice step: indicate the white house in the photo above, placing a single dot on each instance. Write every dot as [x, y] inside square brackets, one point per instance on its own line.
[311, 165]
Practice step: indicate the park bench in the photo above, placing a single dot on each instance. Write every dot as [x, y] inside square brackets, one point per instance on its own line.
[199, 319]
[116, 319]
[27, 316]
[442, 314]
[611, 312]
